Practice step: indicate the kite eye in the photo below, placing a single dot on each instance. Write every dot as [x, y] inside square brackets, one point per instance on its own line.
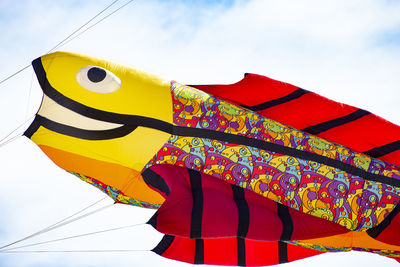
[97, 79]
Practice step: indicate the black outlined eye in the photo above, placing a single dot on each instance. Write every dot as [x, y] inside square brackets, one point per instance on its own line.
[97, 79]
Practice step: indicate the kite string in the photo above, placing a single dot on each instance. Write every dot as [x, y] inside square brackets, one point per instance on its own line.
[3, 141]
[61, 223]
[14, 74]
[29, 96]
[78, 251]
[61, 43]
[88, 28]
[74, 236]
[71, 36]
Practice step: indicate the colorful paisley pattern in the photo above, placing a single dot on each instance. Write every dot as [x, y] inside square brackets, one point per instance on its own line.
[114, 193]
[308, 186]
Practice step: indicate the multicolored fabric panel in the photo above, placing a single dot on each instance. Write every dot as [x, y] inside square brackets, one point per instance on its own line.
[347, 193]
[114, 193]
[230, 251]
[315, 114]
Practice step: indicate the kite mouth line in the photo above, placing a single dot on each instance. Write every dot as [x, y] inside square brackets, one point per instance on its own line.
[58, 113]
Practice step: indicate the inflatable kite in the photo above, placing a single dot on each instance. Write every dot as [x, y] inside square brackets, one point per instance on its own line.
[233, 183]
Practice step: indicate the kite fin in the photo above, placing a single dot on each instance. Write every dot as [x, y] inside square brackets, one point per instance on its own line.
[202, 206]
[355, 128]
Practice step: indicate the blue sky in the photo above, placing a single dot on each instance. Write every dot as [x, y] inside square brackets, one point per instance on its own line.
[345, 50]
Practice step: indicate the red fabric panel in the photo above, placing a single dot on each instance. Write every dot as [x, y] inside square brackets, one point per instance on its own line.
[220, 251]
[262, 222]
[220, 214]
[260, 253]
[308, 227]
[218, 206]
[175, 213]
[253, 89]
[391, 233]
[365, 133]
[393, 157]
[223, 251]
[296, 252]
[307, 110]
[181, 249]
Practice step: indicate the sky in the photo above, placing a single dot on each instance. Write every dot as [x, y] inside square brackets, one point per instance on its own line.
[348, 51]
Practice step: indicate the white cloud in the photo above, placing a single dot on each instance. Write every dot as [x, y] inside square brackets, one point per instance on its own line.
[336, 48]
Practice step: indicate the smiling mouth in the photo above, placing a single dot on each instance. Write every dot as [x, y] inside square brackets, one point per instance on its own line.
[59, 119]
[59, 114]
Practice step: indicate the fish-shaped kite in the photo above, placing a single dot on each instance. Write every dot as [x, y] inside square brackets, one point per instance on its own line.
[233, 183]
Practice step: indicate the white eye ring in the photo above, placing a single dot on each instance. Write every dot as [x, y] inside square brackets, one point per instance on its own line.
[97, 79]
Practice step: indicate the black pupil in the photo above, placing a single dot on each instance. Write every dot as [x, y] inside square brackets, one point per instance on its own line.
[96, 74]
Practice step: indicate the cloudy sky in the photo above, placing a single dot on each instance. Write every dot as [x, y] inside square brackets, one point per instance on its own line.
[345, 50]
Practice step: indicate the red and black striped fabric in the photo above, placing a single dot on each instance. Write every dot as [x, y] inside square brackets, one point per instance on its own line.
[230, 251]
[203, 208]
[347, 125]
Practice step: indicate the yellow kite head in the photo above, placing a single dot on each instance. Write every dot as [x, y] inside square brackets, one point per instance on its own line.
[69, 78]
[100, 119]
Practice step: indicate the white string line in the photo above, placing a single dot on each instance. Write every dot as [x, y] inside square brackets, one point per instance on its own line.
[60, 223]
[127, 3]
[29, 95]
[17, 72]
[78, 251]
[65, 40]
[74, 236]
[3, 141]
[74, 32]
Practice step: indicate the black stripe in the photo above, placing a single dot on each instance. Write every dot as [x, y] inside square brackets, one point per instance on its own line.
[377, 230]
[380, 151]
[32, 128]
[77, 132]
[324, 126]
[243, 211]
[242, 140]
[287, 223]
[287, 230]
[153, 220]
[293, 95]
[241, 251]
[204, 133]
[199, 252]
[155, 180]
[164, 244]
[197, 210]
[282, 252]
